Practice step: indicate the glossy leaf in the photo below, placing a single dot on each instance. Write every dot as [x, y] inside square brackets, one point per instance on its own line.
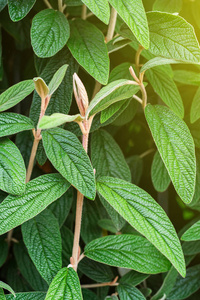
[87, 45]
[15, 94]
[49, 32]
[195, 107]
[69, 157]
[127, 251]
[19, 9]
[193, 233]
[165, 87]
[133, 14]
[42, 238]
[65, 285]
[12, 168]
[39, 193]
[11, 123]
[27, 296]
[129, 292]
[57, 79]
[172, 37]
[100, 8]
[176, 147]
[143, 213]
[159, 174]
[171, 6]
[57, 119]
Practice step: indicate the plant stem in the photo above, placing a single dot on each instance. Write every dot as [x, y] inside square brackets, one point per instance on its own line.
[60, 6]
[95, 285]
[137, 58]
[84, 12]
[146, 153]
[32, 158]
[111, 26]
[47, 3]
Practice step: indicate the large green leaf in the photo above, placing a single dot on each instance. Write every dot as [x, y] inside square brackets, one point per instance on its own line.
[42, 238]
[19, 9]
[69, 157]
[195, 107]
[145, 215]
[57, 79]
[15, 94]
[129, 292]
[165, 87]
[49, 32]
[176, 147]
[12, 168]
[127, 251]
[39, 193]
[11, 123]
[193, 233]
[27, 296]
[87, 45]
[184, 287]
[100, 8]
[65, 285]
[171, 6]
[57, 119]
[160, 61]
[133, 14]
[5, 286]
[159, 174]
[2, 296]
[172, 37]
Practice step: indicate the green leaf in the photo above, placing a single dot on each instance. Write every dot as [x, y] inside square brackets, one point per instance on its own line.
[113, 92]
[129, 292]
[195, 107]
[65, 285]
[57, 79]
[3, 251]
[176, 147]
[5, 286]
[143, 213]
[108, 225]
[116, 44]
[12, 168]
[165, 87]
[19, 9]
[3, 3]
[87, 45]
[2, 296]
[135, 164]
[27, 269]
[127, 251]
[39, 193]
[42, 238]
[89, 295]
[159, 61]
[187, 77]
[133, 14]
[73, 2]
[159, 174]
[70, 159]
[193, 233]
[171, 6]
[100, 8]
[110, 111]
[57, 119]
[11, 123]
[41, 87]
[172, 37]
[134, 278]
[27, 296]
[49, 32]
[184, 287]
[67, 244]
[15, 94]
[195, 201]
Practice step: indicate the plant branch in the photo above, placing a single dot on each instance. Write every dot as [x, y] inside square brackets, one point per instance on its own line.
[139, 81]
[61, 7]
[137, 58]
[84, 12]
[138, 99]
[146, 153]
[95, 285]
[47, 3]
[32, 158]
[111, 26]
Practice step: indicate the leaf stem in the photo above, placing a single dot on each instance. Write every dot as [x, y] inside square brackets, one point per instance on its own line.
[111, 26]
[95, 285]
[32, 159]
[137, 58]
[60, 5]
[147, 153]
[47, 3]
[84, 12]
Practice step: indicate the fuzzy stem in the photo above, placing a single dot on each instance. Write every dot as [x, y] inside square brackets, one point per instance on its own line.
[84, 12]
[111, 26]
[60, 6]
[95, 285]
[32, 158]
[47, 3]
[137, 58]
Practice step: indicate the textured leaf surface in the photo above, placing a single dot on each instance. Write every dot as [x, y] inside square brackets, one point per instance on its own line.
[15, 94]
[5, 286]
[11, 123]
[171, 6]
[12, 168]
[113, 92]
[172, 37]
[133, 14]
[127, 251]
[57, 119]
[195, 107]
[39, 193]
[145, 215]
[49, 32]
[57, 79]
[69, 157]
[159, 174]
[184, 287]
[129, 292]
[176, 147]
[65, 285]
[87, 45]
[27, 296]
[193, 233]
[19, 9]
[165, 87]
[159, 61]
[42, 238]
[100, 8]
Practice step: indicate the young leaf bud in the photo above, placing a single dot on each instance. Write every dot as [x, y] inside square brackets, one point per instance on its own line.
[80, 94]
